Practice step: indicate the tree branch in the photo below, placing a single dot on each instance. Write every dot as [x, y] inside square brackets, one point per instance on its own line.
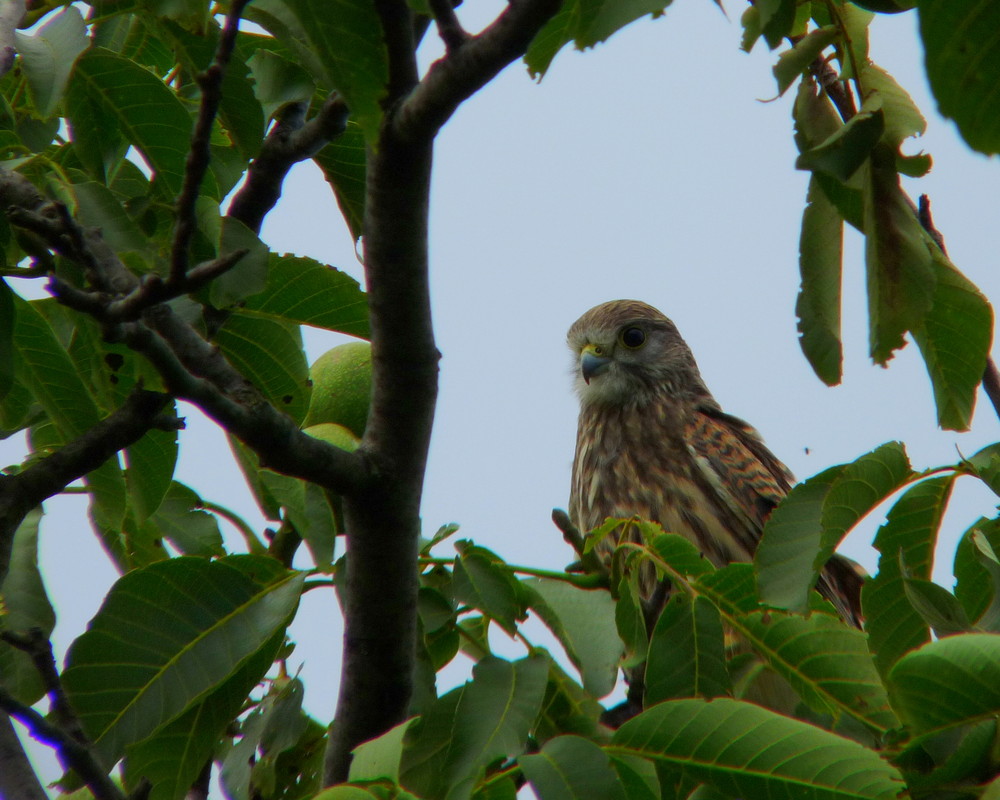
[199, 153]
[17, 777]
[465, 70]
[449, 28]
[23, 491]
[11, 14]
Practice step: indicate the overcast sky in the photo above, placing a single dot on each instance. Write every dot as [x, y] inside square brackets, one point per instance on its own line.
[649, 168]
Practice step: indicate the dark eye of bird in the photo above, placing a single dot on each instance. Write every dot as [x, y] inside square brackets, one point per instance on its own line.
[633, 337]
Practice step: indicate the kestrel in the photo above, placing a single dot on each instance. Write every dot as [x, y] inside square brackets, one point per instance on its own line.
[652, 442]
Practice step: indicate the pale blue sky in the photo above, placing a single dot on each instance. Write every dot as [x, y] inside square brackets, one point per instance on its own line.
[648, 168]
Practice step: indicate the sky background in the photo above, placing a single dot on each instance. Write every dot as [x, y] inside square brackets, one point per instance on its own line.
[653, 167]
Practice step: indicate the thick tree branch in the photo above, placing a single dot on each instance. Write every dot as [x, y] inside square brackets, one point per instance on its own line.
[17, 777]
[465, 70]
[199, 153]
[23, 491]
[290, 140]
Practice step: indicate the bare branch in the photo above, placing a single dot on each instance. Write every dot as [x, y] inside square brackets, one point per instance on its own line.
[461, 73]
[23, 491]
[449, 28]
[199, 154]
[291, 140]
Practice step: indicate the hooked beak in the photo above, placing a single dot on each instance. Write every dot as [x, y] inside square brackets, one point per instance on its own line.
[593, 362]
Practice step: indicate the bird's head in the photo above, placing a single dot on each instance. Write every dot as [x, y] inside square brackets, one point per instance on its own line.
[626, 351]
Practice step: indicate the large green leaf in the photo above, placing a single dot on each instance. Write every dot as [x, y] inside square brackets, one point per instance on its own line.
[687, 655]
[123, 99]
[305, 291]
[489, 585]
[805, 529]
[818, 303]
[348, 38]
[249, 276]
[973, 582]
[584, 622]
[955, 340]
[269, 353]
[306, 506]
[151, 462]
[587, 23]
[167, 636]
[948, 682]
[48, 57]
[175, 755]
[180, 519]
[572, 768]
[747, 751]
[25, 607]
[278, 81]
[344, 165]
[963, 66]
[470, 727]
[908, 537]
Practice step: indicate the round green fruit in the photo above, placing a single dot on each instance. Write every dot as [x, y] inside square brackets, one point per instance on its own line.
[886, 6]
[342, 385]
[334, 434]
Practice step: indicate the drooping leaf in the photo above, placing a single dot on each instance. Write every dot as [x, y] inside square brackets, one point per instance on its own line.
[902, 117]
[848, 147]
[744, 750]
[955, 339]
[794, 61]
[908, 536]
[168, 635]
[24, 605]
[963, 66]
[48, 57]
[572, 768]
[948, 682]
[818, 303]
[305, 291]
[584, 622]
[269, 353]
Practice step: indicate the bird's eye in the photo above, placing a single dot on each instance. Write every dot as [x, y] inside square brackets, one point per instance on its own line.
[633, 337]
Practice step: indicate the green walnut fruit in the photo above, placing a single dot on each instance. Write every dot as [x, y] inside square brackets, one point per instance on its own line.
[886, 6]
[342, 385]
[334, 434]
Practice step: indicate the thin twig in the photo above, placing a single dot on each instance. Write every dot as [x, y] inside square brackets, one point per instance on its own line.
[200, 154]
[449, 28]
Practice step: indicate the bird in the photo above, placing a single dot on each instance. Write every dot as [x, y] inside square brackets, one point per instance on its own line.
[653, 443]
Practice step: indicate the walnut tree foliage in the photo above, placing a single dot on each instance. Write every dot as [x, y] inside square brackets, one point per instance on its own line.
[124, 126]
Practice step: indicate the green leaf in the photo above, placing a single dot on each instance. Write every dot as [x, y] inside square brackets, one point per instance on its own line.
[151, 462]
[777, 18]
[269, 353]
[278, 81]
[567, 708]
[631, 621]
[806, 527]
[180, 519]
[348, 38]
[249, 276]
[344, 165]
[97, 207]
[380, 757]
[305, 291]
[747, 751]
[948, 682]
[571, 768]
[175, 755]
[908, 536]
[973, 583]
[48, 57]
[687, 655]
[169, 634]
[587, 23]
[954, 339]
[489, 586]
[124, 99]
[845, 150]
[901, 269]
[793, 62]
[818, 303]
[24, 605]
[583, 620]
[902, 117]
[7, 346]
[937, 606]
[306, 506]
[472, 726]
[963, 66]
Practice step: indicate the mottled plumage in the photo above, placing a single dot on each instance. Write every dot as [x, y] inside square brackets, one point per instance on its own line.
[652, 442]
